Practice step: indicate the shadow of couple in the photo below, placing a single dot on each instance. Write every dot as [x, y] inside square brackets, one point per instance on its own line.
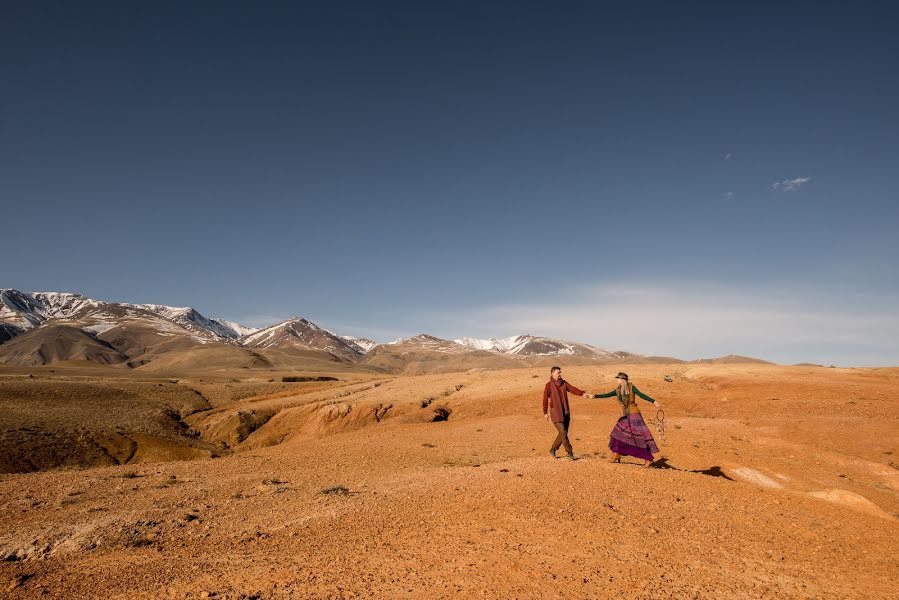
[715, 471]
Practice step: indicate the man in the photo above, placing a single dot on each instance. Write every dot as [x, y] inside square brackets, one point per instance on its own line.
[555, 397]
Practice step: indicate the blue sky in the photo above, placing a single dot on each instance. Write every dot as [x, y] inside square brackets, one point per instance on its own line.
[688, 179]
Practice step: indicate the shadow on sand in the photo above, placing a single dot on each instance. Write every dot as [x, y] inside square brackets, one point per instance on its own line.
[715, 471]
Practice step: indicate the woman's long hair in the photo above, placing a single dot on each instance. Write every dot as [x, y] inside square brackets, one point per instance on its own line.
[624, 389]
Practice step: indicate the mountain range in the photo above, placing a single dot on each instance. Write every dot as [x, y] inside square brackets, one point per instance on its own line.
[42, 328]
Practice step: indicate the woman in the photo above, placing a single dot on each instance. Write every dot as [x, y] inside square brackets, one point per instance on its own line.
[630, 436]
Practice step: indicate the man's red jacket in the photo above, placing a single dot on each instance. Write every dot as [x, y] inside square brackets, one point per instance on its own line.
[557, 413]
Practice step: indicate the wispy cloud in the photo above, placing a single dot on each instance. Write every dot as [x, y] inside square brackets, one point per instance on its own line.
[727, 196]
[729, 156]
[790, 185]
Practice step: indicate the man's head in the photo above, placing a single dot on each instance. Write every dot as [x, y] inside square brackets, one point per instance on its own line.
[556, 373]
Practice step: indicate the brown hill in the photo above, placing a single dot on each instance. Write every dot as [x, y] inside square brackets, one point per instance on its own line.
[221, 357]
[426, 354]
[143, 341]
[54, 343]
[731, 359]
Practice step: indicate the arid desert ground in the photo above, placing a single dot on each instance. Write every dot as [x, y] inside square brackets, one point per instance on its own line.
[774, 482]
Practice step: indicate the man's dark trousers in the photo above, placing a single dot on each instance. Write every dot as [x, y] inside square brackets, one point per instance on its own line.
[562, 438]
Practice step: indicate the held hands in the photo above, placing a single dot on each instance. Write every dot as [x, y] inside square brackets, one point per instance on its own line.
[587, 395]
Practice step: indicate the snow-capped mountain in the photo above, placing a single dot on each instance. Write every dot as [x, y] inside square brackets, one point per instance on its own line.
[238, 330]
[191, 320]
[496, 344]
[30, 310]
[301, 334]
[532, 345]
[20, 312]
[362, 345]
[141, 333]
[523, 345]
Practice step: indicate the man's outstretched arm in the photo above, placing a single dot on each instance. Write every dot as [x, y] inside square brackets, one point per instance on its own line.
[575, 391]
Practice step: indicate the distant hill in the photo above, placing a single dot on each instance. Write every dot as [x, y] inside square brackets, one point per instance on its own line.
[731, 359]
[58, 343]
[428, 354]
[41, 328]
[531, 345]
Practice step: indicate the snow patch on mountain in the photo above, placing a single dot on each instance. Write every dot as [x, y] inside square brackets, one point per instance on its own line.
[238, 329]
[20, 311]
[503, 345]
[526, 344]
[263, 337]
[297, 332]
[30, 310]
[98, 327]
[362, 345]
[191, 320]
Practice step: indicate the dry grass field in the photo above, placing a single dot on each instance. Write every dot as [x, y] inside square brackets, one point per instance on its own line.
[774, 482]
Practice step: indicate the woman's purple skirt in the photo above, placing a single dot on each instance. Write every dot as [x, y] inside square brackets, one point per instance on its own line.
[631, 437]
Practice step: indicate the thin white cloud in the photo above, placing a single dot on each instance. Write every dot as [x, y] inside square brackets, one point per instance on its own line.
[790, 185]
[727, 196]
[729, 156]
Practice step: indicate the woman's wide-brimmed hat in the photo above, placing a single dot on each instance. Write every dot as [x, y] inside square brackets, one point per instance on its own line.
[621, 375]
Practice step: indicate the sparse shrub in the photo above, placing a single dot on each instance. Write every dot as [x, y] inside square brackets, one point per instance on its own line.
[336, 490]
[426, 402]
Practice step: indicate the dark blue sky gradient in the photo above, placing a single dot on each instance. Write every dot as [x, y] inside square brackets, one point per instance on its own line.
[363, 163]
